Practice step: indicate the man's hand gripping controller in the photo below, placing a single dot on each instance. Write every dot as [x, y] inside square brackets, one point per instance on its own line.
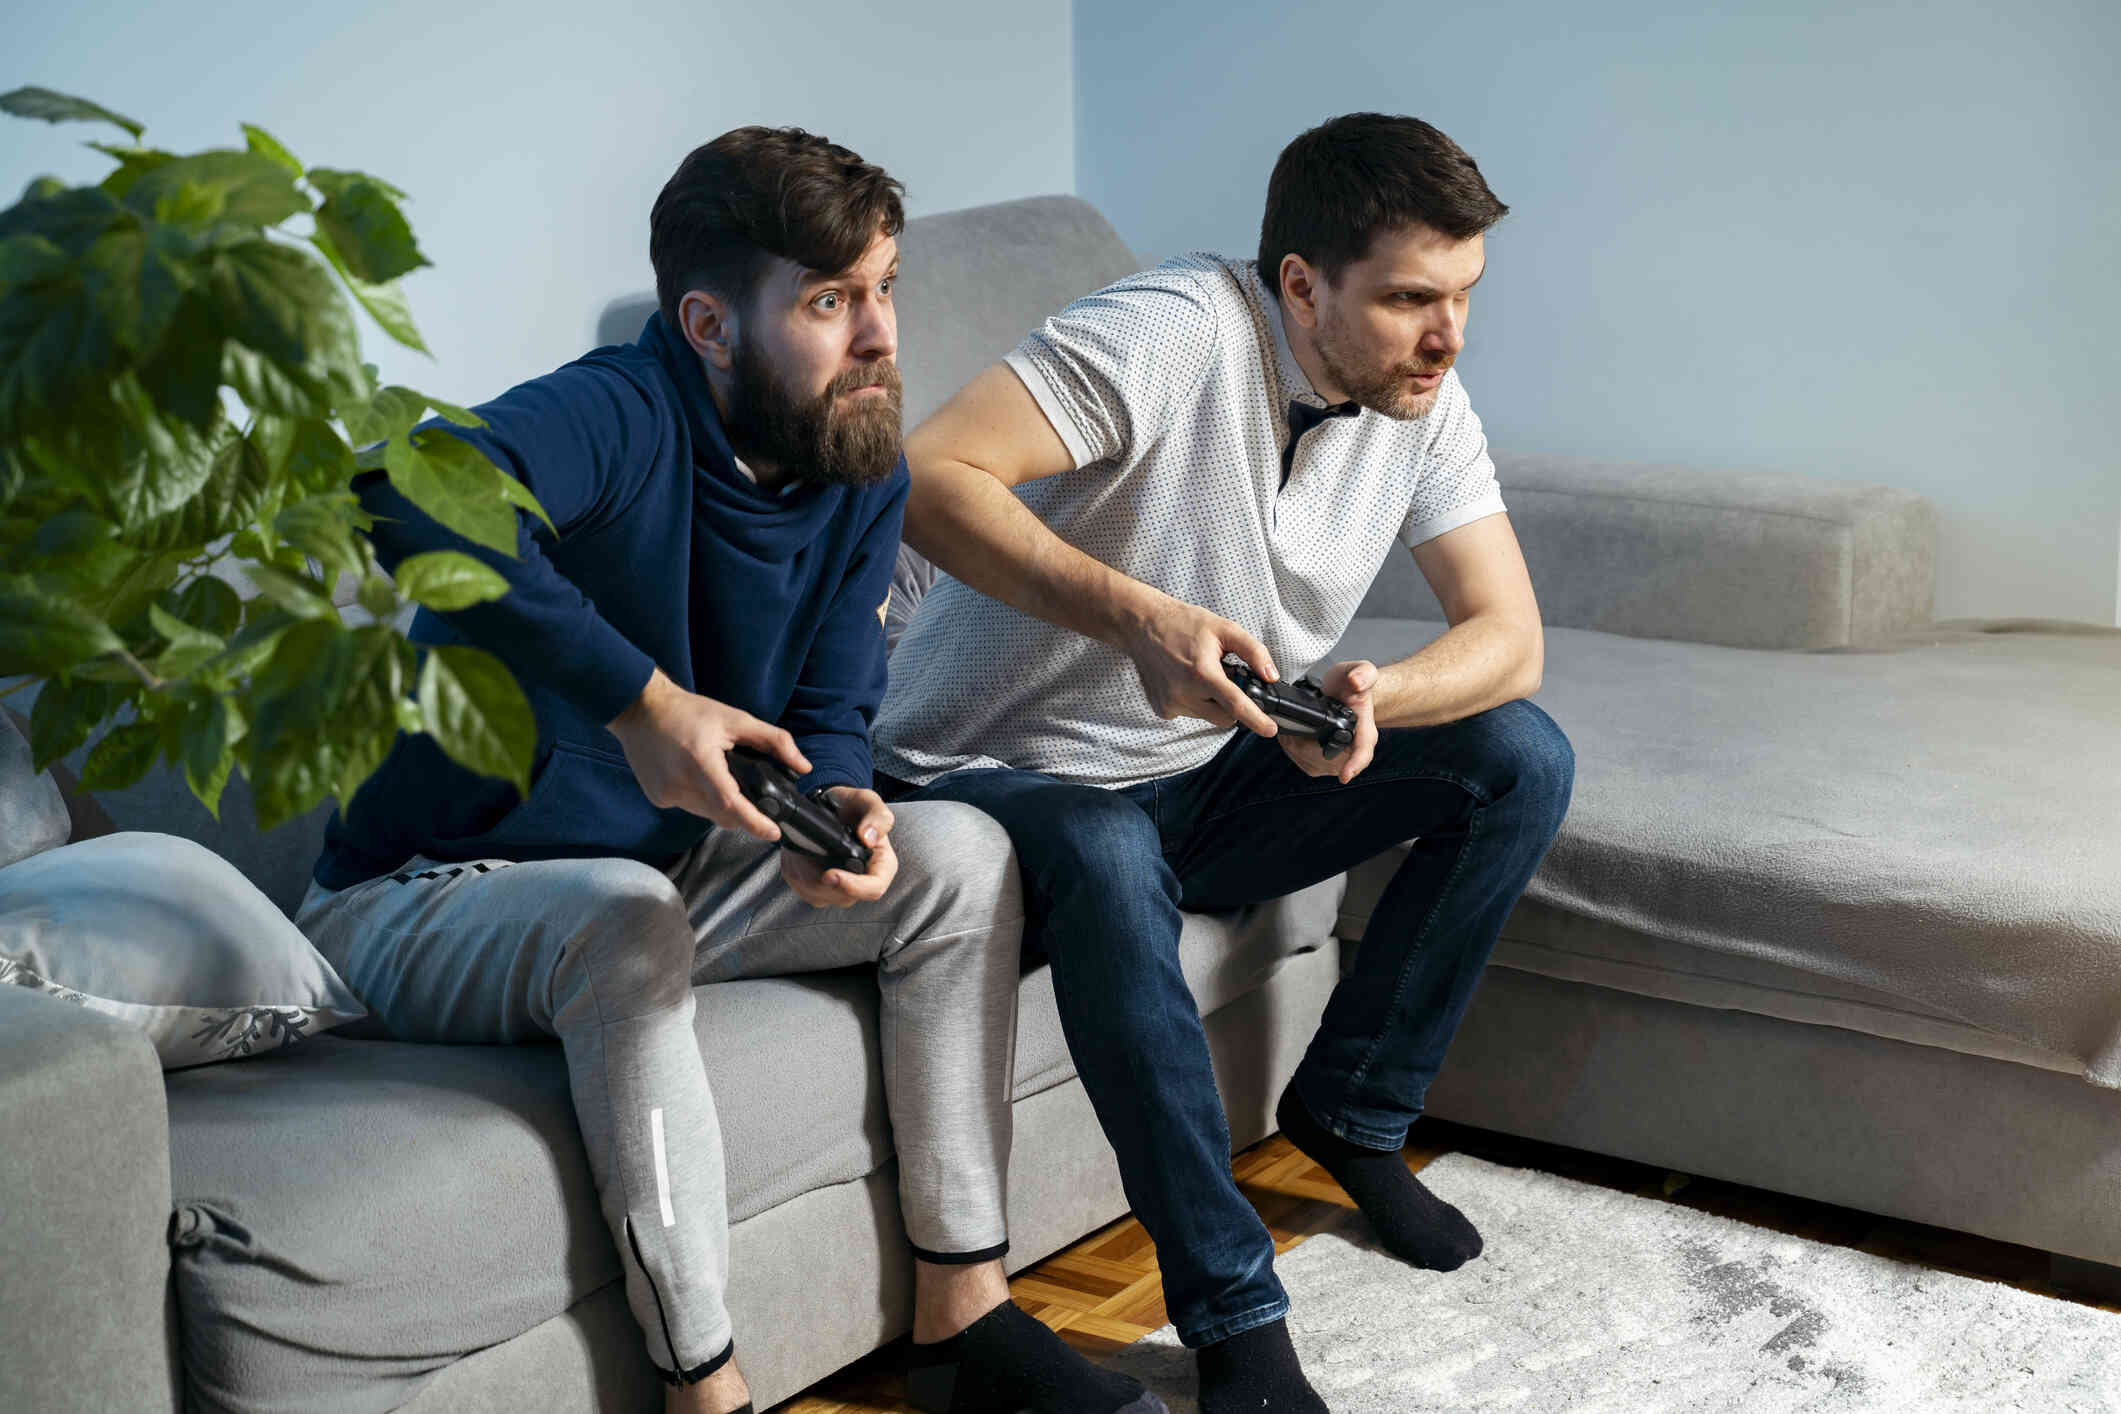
[1299, 706]
[808, 825]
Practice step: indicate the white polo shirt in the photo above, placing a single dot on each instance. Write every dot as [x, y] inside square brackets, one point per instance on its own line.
[1170, 390]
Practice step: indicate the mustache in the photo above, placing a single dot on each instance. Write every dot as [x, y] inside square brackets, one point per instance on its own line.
[1437, 366]
[882, 374]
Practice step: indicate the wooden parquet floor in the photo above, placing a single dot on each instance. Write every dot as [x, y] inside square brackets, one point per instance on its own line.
[1103, 1292]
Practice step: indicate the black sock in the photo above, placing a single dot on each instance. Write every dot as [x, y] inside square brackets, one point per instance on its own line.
[1008, 1361]
[1255, 1372]
[1414, 1224]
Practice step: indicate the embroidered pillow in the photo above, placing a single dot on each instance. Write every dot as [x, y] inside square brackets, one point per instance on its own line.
[165, 934]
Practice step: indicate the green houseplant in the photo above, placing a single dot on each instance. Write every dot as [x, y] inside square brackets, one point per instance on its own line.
[181, 399]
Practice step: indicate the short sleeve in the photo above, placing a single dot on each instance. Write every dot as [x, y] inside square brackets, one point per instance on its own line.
[1114, 368]
[1456, 483]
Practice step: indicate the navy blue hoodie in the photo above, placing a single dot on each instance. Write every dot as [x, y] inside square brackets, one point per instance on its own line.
[666, 556]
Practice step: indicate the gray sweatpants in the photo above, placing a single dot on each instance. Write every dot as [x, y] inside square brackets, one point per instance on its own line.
[604, 953]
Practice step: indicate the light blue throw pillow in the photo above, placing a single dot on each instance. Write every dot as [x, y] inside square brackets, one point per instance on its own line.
[168, 936]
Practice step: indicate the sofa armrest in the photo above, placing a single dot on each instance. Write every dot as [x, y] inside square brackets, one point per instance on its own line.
[1744, 559]
[84, 1221]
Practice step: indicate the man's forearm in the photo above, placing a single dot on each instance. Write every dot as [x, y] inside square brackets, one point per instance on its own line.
[976, 530]
[1478, 665]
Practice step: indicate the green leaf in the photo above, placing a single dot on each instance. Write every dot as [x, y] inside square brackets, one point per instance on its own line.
[70, 533]
[133, 164]
[122, 757]
[386, 303]
[517, 494]
[453, 482]
[238, 490]
[145, 579]
[211, 727]
[66, 714]
[322, 527]
[325, 707]
[283, 305]
[27, 258]
[308, 452]
[188, 648]
[392, 412]
[242, 188]
[69, 217]
[378, 597]
[395, 410]
[369, 233]
[254, 645]
[58, 352]
[183, 373]
[446, 580]
[332, 181]
[265, 145]
[208, 603]
[137, 276]
[477, 715]
[62, 108]
[298, 595]
[273, 389]
[42, 632]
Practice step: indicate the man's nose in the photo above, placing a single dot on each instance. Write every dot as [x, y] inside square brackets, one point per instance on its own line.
[1448, 334]
[875, 331]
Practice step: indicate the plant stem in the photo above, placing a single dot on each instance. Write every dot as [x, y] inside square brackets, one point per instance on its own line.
[154, 684]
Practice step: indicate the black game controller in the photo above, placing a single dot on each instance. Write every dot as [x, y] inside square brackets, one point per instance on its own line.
[1301, 705]
[808, 825]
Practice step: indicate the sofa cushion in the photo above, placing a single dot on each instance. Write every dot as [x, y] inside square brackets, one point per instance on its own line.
[1919, 841]
[352, 1215]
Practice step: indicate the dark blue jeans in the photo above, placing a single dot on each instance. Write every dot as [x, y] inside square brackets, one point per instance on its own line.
[1106, 873]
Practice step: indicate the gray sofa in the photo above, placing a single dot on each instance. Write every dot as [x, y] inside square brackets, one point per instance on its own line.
[1826, 917]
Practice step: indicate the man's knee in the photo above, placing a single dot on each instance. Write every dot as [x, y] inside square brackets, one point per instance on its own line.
[1532, 756]
[630, 935]
[961, 852]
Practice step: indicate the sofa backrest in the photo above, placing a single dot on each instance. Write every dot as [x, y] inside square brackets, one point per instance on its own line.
[974, 282]
[1744, 559]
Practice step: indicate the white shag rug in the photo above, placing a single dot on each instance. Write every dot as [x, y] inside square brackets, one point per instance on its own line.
[1590, 1300]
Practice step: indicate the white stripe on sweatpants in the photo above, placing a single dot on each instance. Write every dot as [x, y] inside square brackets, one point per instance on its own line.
[662, 1165]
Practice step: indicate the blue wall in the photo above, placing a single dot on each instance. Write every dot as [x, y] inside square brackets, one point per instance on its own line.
[1873, 242]
[533, 137]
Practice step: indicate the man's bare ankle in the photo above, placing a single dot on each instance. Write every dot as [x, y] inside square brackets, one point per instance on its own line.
[720, 1393]
[946, 1299]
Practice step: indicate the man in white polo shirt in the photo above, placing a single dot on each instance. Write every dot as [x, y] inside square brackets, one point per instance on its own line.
[1215, 457]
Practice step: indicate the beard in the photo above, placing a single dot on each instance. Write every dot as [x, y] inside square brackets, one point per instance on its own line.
[1382, 390]
[832, 437]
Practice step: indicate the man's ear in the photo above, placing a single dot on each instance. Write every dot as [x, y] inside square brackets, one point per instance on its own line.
[1299, 289]
[708, 323]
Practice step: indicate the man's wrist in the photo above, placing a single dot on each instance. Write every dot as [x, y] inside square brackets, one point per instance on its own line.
[1126, 611]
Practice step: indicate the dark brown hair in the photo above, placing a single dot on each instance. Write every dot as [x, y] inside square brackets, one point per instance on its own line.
[1335, 187]
[755, 193]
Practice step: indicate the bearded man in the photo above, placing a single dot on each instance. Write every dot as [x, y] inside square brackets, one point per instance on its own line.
[725, 499]
[1215, 458]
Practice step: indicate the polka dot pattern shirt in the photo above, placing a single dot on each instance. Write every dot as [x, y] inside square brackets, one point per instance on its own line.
[1171, 391]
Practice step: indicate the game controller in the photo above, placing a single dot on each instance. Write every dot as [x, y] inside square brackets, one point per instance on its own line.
[1301, 706]
[809, 825]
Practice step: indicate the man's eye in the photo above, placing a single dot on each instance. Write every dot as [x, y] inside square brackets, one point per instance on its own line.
[885, 286]
[828, 301]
